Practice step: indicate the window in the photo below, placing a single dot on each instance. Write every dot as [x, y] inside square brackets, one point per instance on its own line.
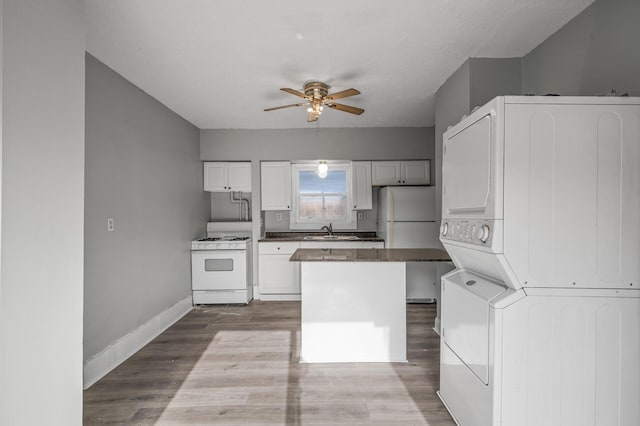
[319, 201]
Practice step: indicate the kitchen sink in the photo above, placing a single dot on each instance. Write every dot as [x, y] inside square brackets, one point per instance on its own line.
[331, 238]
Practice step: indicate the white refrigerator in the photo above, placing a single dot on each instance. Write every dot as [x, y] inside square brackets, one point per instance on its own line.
[407, 219]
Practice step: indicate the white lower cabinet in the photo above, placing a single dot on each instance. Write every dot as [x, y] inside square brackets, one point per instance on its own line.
[278, 278]
[373, 244]
[342, 244]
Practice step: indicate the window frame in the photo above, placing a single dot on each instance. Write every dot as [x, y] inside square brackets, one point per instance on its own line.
[294, 220]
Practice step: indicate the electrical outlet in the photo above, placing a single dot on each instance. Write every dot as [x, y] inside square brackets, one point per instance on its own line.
[360, 215]
[278, 217]
[110, 224]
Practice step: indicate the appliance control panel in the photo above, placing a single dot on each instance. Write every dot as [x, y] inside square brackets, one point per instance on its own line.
[477, 232]
[223, 245]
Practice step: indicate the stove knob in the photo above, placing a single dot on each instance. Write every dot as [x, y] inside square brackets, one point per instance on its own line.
[444, 229]
[483, 233]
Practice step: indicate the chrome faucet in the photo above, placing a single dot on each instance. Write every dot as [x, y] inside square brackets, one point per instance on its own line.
[329, 229]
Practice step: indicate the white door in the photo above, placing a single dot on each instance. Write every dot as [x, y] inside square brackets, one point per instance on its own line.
[219, 270]
[468, 159]
[410, 204]
[215, 177]
[278, 275]
[412, 235]
[361, 185]
[465, 319]
[416, 172]
[422, 280]
[275, 183]
[385, 173]
[239, 176]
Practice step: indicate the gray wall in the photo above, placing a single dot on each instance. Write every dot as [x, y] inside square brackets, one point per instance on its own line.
[491, 77]
[453, 100]
[42, 204]
[401, 143]
[595, 52]
[142, 169]
[474, 83]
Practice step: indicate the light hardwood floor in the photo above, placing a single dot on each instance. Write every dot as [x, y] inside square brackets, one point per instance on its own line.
[238, 365]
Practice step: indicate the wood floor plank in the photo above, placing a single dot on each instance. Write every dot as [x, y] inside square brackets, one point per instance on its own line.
[239, 365]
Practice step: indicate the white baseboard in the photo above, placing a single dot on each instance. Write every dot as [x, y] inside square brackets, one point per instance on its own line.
[436, 326]
[102, 363]
[279, 297]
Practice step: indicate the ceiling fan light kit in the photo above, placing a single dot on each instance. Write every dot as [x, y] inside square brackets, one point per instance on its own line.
[317, 96]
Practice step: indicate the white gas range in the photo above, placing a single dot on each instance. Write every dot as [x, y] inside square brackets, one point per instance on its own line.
[221, 264]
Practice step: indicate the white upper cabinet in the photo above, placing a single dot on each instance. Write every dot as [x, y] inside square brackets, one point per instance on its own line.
[361, 185]
[215, 177]
[416, 172]
[224, 176]
[239, 175]
[386, 173]
[275, 183]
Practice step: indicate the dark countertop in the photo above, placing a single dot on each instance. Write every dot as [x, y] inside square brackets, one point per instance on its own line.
[370, 255]
[274, 237]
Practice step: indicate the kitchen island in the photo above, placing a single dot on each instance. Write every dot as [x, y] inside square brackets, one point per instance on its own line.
[354, 303]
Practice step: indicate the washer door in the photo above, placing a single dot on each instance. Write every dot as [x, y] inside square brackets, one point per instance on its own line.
[465, 319]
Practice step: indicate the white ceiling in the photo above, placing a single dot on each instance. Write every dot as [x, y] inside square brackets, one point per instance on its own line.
[219, 63]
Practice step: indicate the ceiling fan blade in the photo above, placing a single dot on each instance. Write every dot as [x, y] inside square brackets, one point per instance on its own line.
[343, 94]
[295, 92]
[311, 117]
[286, 106]
[346, 108]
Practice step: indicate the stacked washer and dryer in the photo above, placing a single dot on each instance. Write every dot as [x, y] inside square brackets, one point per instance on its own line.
[541, 216]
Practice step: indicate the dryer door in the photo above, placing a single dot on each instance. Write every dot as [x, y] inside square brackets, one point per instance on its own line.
[465, 319]
[467, 169]
[472, 166]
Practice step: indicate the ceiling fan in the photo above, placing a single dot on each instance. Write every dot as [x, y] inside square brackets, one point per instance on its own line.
[317, 95]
